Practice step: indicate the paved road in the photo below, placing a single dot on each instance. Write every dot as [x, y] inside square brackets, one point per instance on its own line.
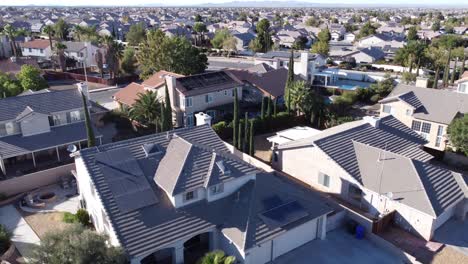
[338, 248]
[23, 236]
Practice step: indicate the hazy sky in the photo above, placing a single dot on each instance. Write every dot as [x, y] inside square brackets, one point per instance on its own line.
[193, 2]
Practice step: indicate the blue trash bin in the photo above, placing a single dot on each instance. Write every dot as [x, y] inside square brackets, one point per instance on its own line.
[360, 230]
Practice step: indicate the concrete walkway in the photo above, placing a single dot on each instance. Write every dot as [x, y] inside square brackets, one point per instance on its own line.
[23, 236]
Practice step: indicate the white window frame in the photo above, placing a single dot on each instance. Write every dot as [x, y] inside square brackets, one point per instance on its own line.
[440, 133]
[389, 107]
[324, 179]
[208, 98]
[190, 120]
[188, 102]
[190, 196]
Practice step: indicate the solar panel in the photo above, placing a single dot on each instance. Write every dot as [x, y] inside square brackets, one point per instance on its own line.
[205, 80]
[284, 214]
[127, 182]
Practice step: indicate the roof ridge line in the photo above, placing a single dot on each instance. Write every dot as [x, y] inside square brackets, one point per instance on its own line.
[423, 186]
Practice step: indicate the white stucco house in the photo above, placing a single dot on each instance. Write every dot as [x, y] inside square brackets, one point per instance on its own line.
[172, 197]
[378, 164]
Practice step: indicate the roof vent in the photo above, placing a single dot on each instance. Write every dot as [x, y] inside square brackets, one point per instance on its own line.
[372, 120]
[152, 149]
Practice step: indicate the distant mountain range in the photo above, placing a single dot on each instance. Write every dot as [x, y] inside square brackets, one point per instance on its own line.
[299, 4]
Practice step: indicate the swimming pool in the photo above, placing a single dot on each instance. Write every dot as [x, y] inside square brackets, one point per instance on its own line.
[347, 87]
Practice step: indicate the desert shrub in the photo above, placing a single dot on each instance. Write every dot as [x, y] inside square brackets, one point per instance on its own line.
[82, 217]
[69, 218]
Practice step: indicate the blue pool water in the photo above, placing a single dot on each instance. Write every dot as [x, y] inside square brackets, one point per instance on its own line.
[347, 87]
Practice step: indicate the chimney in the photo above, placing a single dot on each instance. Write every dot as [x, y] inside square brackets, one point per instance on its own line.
[83, 88]
[372, 120]
[203, 119]
[13, 59]
[171, 85]
[304, 68]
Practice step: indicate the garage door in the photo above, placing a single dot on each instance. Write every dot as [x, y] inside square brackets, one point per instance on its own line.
[295, 238]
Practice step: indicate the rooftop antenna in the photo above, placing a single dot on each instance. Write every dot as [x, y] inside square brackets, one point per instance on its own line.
[382, 169]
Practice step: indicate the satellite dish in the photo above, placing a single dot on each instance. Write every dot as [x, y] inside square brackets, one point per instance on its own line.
[72, 148]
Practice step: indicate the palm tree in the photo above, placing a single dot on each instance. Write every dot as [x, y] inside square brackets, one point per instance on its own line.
[298, 91]
[60, 55]
[78, 32]
[217, 257]
[436, 57]
[113, 55]
[11, 34]
[146, 109]
[49, 30]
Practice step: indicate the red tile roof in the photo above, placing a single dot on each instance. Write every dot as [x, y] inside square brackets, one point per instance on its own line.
[36, 44]
[157, 79]
[129, 94]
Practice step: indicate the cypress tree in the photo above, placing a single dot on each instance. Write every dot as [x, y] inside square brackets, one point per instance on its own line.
[89, 128]
[168, 109]
[239, 140]
[436, 77]
[269, 107]
[447, 68]
[246, 132]
[251, 138]
[235, 120]
[162, 121]
[262, 112]
[274, 107]
[452, 80]
[290, 80]
[463, 65]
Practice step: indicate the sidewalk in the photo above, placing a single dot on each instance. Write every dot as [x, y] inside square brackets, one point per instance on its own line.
[23, 236]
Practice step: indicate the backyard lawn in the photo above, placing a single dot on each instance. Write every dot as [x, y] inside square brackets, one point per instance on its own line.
[42, 223]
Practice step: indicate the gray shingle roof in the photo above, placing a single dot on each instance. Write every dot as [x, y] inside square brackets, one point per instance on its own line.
[45, 103]
[391, 135]
[425, 187]
[147, 229]
[435, 105]
[14, 145]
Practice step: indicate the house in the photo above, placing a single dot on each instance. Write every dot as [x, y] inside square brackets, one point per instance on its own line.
[462, 83]
[426, 111]
[381, 40]
[81, 52]
[37, 48]
[172, 197]
[37, 127]
[378, 164]
[305, 64]
[205, 92]
[460, 30]
[126, 96]
[12, 66]
[349, 37]
[367, 55]
[243, 40]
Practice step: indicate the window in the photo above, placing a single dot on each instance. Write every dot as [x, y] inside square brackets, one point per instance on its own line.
[463, 88]
[416, 125]
[41, 51]
[188, 102]
[409, 112]
[208, 98]
[226, 92]
[30, 50]
[232, 92]
[387, 109]
[426, 128]
[440, 133]
[211, 113]
[75, 116]
[190, 120]
[324, 179]
[217, 188]
[12, 128]
[188, 196]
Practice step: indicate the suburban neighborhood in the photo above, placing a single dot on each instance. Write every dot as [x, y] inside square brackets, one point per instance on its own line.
[233, 132]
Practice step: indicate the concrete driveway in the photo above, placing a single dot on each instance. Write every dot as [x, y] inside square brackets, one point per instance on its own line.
[454, 233]
[23, 236]
[339, 247]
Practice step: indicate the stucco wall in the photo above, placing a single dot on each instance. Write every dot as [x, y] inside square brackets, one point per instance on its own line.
[399, 112]
[94, 204]
[230, 187]
[35, 124]
[219, 98]
[35, 180]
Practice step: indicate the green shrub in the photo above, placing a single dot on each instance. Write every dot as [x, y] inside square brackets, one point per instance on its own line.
[5, 239]
[69, 218]
[82, 216]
